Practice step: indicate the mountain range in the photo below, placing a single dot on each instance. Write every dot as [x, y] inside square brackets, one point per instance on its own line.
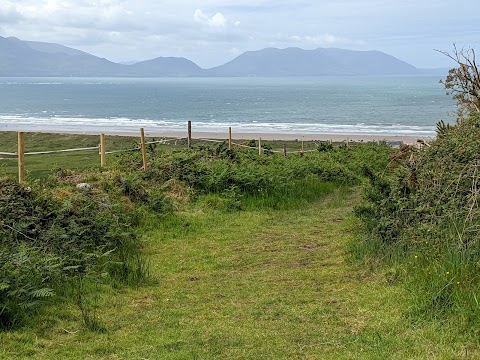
[30, 58]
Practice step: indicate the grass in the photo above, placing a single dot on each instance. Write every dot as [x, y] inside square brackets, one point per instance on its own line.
[41, 166]
[275, 280]
[272, 284]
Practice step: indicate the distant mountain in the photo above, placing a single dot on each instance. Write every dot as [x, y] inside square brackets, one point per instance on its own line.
[299, 62]
[23, 58]
[165, 66]
[52, 48]
[31, 58]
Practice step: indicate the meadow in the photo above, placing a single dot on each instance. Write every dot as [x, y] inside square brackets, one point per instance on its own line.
[218, 254]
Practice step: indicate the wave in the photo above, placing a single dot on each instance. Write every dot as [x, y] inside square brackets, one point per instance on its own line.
[58, 123]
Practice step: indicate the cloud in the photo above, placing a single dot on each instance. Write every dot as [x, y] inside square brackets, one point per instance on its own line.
[206, 31]
[9, 13]
[85, 14]
[216, 21]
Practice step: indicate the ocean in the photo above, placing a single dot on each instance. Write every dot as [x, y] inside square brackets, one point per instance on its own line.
[390, 105]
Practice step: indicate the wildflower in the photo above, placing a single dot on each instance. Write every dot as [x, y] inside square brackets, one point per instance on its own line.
[448, 272]
[416, 256]
[458, 282]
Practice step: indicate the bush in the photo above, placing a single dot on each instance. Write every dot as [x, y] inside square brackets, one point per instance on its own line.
[27, 278]
[218, 170]
[47, 240]
[237, 175]
[427, 209]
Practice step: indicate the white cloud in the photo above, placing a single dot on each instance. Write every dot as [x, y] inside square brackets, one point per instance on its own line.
[216, 21]
[9, 13]
[87, 14]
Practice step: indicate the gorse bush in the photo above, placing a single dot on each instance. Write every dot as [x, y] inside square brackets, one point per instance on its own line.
[76, 225]
[240, 178]
[425, 214]
[324, 146]
[219, 170]
[46, 240]
[435, 187]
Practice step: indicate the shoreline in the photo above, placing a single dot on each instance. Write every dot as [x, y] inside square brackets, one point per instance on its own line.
[219, 135]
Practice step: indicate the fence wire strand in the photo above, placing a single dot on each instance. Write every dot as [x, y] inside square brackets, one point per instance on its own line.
[164, 141]
[120, 151]
[60, 151]
[212, 140]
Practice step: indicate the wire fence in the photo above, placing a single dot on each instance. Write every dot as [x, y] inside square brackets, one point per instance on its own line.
[60, 151]
[101, 148]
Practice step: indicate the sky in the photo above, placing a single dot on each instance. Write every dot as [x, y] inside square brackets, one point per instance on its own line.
[212, 32]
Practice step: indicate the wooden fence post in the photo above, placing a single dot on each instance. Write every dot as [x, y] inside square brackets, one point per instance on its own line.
[21, 158]
[142, 147]
[189, 139]
[302, 148]
[103, 160]
[229, 138]
[259, 146]
[285, 151]
[348, 142]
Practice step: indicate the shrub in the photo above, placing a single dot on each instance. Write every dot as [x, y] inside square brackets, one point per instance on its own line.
[427, 209]
[27, 278]
[45, 241]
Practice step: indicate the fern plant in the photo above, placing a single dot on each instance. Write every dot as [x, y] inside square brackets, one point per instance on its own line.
[26, 279]
[443, 129]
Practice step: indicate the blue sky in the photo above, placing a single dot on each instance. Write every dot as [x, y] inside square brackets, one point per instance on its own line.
[211, 32]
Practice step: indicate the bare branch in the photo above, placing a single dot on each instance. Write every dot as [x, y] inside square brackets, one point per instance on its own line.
[463, 82]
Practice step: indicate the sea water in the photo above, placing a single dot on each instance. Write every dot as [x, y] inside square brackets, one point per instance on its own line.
[391, 105]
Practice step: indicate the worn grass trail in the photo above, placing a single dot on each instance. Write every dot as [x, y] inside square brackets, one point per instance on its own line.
[247, 285]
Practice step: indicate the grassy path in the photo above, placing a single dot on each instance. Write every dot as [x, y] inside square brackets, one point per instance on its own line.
[248, 285]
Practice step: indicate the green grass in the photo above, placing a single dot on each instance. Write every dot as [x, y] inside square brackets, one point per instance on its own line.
[265, 284]
[41, 166]
[274, 280]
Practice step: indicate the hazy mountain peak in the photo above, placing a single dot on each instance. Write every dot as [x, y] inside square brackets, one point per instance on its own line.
[322, 61]
[33, 58]
[54, 48]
